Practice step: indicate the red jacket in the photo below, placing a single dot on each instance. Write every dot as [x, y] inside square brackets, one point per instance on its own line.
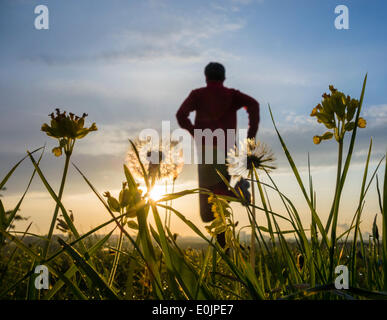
[216, 108]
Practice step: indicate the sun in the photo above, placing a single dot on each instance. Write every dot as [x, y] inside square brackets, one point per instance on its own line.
[157, 192]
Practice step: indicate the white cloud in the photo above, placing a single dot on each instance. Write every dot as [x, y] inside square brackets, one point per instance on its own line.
[168, 35]
[376, 114]
[113, 139]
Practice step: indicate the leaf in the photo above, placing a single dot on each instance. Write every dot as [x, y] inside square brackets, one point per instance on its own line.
[133, 224]
[327, 135]
[375, 231]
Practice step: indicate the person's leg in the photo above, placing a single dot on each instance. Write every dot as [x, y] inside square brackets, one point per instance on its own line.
[205, 172]
[205, 182]
[210, 179]
[221, 237]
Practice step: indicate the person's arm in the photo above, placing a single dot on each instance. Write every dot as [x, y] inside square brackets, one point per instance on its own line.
[252, 107]
[185, 109]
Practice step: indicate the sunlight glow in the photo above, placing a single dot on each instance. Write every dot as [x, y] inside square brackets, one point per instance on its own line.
[156, 193]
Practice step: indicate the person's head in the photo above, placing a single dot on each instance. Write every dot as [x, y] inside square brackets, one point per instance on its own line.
[214, 71]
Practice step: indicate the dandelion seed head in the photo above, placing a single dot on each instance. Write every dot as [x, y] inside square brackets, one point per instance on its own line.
[162, 160]
[240, 161]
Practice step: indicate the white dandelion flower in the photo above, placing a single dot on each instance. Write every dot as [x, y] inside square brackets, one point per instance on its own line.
[240, 161]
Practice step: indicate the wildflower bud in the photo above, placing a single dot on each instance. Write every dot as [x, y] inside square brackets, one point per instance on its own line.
[132, 224]
[57, 151]
[361, 123]
[327, 135]
[314, 112]
[349, 126]
[325, 95]
[316, 139]
[112, 202]
[124, 197]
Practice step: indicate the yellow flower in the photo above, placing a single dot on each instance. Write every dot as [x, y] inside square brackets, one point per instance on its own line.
[314, 112]
[214, 210]
[361, 123]
[315, 109]
[57, 151]
[316, 139]
[67, 129]
[67, 126]
[332, 89]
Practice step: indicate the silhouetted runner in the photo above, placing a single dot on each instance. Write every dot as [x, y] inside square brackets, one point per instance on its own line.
[216, 108]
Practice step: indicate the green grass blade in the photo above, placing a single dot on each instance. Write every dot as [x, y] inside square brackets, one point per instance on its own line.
[89, 271]
[73, 269]
[69, 222]
[38, 257]
[384, 239]
[293, 166]
[9, 174]
[13, 213]
[148, 255]
[357, 224]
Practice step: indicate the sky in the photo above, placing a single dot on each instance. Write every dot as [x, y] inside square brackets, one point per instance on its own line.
[130, 64]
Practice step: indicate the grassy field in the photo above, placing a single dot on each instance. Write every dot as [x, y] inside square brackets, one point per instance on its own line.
[146, 262]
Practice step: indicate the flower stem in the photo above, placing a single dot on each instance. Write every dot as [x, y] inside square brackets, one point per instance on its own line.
[116, 257]
[335, 208]
[53, 221]
[252, 241]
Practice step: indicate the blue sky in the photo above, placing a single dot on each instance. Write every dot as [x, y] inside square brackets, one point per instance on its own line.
[130, 64]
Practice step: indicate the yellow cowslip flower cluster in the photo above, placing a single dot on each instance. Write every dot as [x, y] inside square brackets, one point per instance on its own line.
[66, 128]
[222, 219]
[336, 111]
[214, 207]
